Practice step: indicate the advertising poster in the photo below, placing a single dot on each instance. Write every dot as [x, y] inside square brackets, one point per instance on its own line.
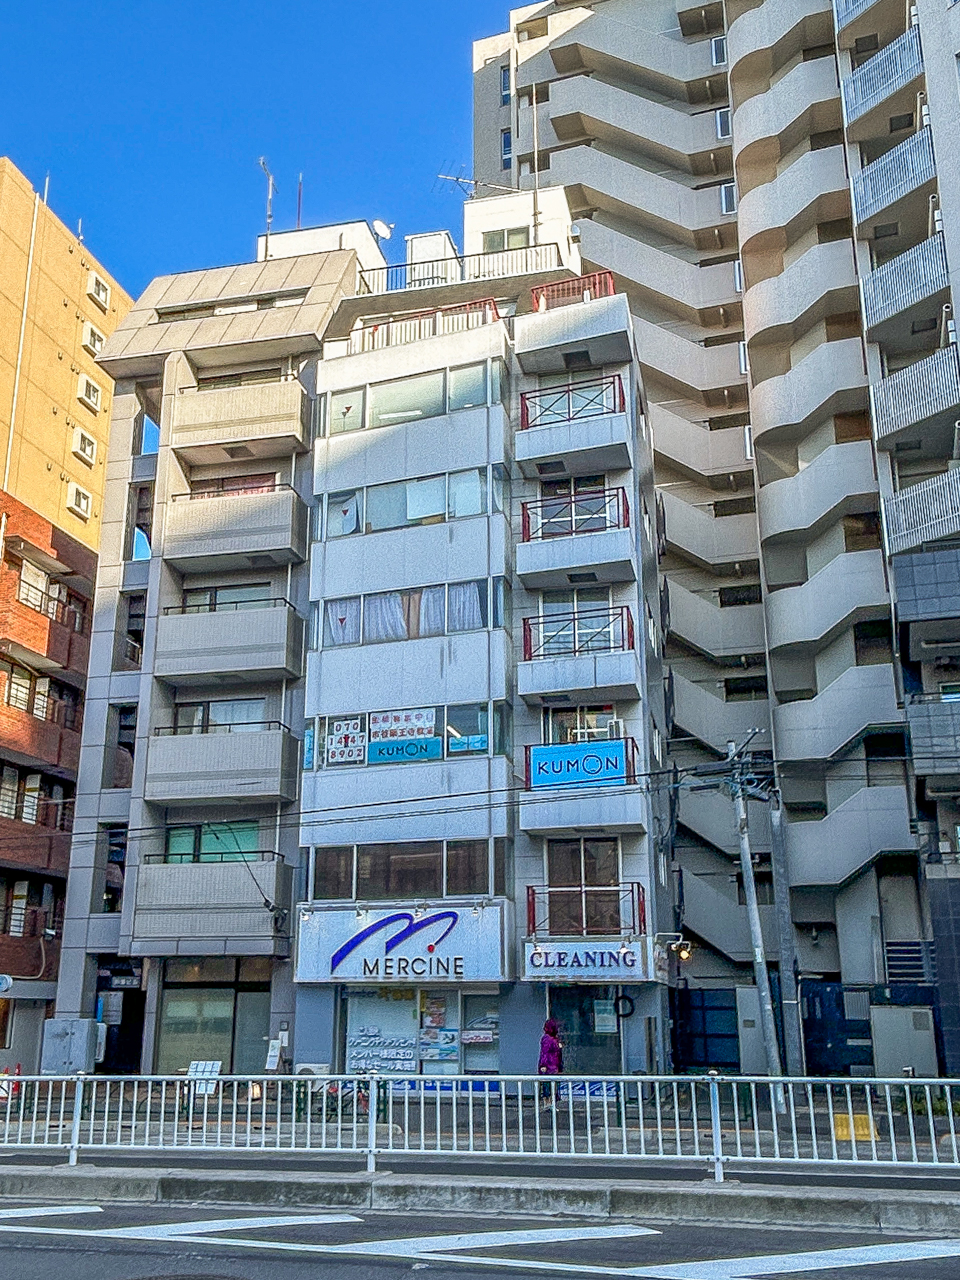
[346, 741]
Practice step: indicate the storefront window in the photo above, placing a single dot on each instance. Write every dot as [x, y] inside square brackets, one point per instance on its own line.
[214, 1009]
[333, 872]
[412, 870]
[422, 1031]
[468, 870]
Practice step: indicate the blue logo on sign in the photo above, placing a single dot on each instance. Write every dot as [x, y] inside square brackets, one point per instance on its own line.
[411, 926]
[579, 764]
[402, 750]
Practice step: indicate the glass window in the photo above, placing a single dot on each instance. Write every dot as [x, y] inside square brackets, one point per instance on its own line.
[196, 1024]
[341, 622]
[502, 602]
[501, 488]
[518, 237]
[467, 732]
[406, 401]
[244, 714]
[188, 717]
[408, 502]
[500, 866]
[229, 841]
[344, 513]
[399, 870]
[333, 872]
[253, 595]
[493, 241]
[346, 411]
[181, 844]
[468, 869]
[467, 387]
[467, 606]
[467, 494]
[506, 148]
[502, 729]
[499, 382]
[577, 724]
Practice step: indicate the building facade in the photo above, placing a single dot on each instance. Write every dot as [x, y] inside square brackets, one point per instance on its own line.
[59, 306]
[770, 185]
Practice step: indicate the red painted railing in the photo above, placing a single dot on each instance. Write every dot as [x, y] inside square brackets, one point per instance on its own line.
[564, 635]
[580, 289]
[572, 402]
[587, 511]
[586, 910]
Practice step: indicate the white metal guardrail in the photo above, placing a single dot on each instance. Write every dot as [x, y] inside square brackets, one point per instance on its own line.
[712, 1120]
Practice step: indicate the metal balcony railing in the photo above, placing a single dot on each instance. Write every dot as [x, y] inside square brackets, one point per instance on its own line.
[586, 910]
[588, 511]
[924, 512]
[563, 293]
[907, 279]
[566, 635]
[68, 615]
[885, 73]
[570, 403]
[423, 324]
[918, 392]
[460, 270]
[237, 726]
[229, 606]
[894, 175]
[238, 855]
[847, 10]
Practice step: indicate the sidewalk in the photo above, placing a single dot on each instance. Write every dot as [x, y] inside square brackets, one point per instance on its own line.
[899, 1212]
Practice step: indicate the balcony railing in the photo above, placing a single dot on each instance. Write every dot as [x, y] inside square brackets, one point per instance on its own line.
[41, 811]
[460, 270]
[586, 910]
[68, 615]
[238, 726]
[596, 762]
[244, 855]
[847, 10]
[924, 512]
[417, 327]
[562, 293]
[907, 279]
[894, 175]
[230, 489]
[570, 403]
[885, 73]
[586, 631]
[229, 606]
[917, 393]
[588, 511]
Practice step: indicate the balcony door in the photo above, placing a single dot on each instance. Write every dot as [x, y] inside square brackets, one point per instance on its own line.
[576, 621]
[583, 882]
[578, 505]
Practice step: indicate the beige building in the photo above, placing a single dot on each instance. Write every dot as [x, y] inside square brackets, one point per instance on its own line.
[770, 183]
[58, 305]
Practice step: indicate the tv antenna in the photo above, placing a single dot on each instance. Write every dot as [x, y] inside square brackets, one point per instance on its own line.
[470, 186]
[272, 190]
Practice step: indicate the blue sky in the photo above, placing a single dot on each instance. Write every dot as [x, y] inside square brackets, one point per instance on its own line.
[150, 115]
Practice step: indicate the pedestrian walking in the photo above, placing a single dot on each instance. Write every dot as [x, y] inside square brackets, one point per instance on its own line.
[550, 1062]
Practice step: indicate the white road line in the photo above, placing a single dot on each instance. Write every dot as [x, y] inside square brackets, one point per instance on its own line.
[786, 1263]
[416, 1246]
[52, 1211]
[170, 1230]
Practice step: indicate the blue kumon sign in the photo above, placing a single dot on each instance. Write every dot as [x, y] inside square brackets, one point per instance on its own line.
[579, 764]
[404, 749]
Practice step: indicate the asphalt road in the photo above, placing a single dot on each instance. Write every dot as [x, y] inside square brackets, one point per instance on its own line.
[46, 1242]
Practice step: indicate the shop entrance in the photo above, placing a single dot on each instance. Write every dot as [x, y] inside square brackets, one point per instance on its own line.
[589, 1029]
[422, 1031]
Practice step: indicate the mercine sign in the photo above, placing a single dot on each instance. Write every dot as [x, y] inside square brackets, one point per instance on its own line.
[579, 764]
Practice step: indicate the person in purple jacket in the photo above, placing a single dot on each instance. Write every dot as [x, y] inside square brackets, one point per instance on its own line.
[551, 1060]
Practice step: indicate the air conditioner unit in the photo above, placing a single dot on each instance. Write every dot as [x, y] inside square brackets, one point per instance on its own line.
[615, 729]
[312, 1069]
[79, 502]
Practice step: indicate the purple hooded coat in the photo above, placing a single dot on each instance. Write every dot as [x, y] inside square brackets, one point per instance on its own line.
[551, 1051]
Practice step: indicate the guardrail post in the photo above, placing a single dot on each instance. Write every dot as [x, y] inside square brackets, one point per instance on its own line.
[715, 1134]
[79, 1083]
[372, 1107]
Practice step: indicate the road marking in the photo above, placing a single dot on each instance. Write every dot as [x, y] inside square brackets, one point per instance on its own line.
[51, 1212]
[784, 1263]
[170, 1230]
[414, 1246]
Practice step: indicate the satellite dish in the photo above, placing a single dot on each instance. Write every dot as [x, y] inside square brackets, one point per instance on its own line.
[382, 230]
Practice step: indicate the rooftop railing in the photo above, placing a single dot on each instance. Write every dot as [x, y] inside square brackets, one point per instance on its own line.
[583, 631]
[460, 270]
[885, 73]
[378, 334]
[570, 403]
[563, 293]
[587, 511]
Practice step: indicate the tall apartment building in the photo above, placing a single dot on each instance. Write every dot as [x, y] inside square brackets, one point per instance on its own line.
[379, 696]
[770, 184]
[58, 307]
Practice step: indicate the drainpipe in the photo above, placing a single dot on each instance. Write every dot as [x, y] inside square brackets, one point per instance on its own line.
[23, 334]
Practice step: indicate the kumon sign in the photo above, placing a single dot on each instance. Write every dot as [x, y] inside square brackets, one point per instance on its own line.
[603, 763]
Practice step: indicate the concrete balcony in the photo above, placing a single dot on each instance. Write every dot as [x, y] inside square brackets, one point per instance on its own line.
[873, 821]
[917, 279]
[814, 189]
[235, 531]
[851, 588]
[777, 310]
[769, 125]
[260, 420]
[706, 539]
[262, 643]
[695, 370]
[830, 380]
[580, 429]
[784, 26]
[859, 700]
[260, 763]
[693, 448]
[925, 394]
[582, 785]
[700, 714]
[601, 326]
[587, 656]
[934, 734]
[718, 632]
[721, 921]
[586, 538]
[883, 185]
[887, 84]
[211, 908]
[839, 481]
[923, 513]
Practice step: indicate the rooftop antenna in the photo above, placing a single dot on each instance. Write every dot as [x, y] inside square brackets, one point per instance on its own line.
[80, 230]
[469, 186]
[299, 200]
[272, 190]
[382, 230]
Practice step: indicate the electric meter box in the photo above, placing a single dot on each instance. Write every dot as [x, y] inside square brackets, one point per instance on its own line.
[69, 1046]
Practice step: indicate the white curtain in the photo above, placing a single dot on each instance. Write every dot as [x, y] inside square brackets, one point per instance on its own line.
[465, 611]
[432, 620]
[383, 618]
[341, 622]
[343, 515]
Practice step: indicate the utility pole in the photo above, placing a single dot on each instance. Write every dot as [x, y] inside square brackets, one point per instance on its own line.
[789, 993]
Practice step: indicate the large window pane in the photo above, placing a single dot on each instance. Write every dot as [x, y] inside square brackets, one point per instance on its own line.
[601, 862]
[468, 494]
[406, 401]
[399, 870]
[188, 717]
[467, 387]
[181, 844]
[467, 729]
[250, 595]
[468, 869]
[563, 862]
[346, 411]
[196, 1024]
[229, 841]
[333, 872]
[383, 618]
[344, 513]
[467, 606]
[341, 622]
[244, 715]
